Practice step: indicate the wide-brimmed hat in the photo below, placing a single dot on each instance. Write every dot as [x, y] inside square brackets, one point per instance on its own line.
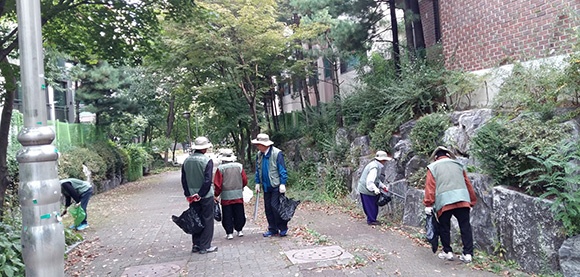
[382, 156]
[442, 148]
[263, 139]
[201, 143]
[227, 155]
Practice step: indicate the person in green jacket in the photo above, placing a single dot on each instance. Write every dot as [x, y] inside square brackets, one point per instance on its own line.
[80, 191]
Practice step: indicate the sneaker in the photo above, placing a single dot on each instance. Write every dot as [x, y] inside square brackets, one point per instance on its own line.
[240, 234]
[195, 249]
[72, 227]
[446, 256]
[230, 236]
[269, 234]
[466, 258]
[209, 250]
[82, 227]
[374, 223]
[284, 233]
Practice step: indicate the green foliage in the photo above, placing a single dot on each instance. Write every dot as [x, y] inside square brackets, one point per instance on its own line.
[419, 90]
[503, 148]
[104, 92]
[428, 133]
[533, 87]
[556, 171]
[138, 158]
[417, 179]
[383, 131]
[116, 157]
[11, 262]
[313, 184]
[71, 164]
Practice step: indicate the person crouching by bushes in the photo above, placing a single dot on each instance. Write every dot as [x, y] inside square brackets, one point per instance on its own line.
[369, 185]
[229, 181]
[79, 190]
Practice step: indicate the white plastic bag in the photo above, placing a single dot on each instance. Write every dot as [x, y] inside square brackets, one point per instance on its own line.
[247, 194]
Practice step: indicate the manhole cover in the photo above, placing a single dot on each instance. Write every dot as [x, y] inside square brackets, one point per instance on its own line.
[326, 253]
[158, 270]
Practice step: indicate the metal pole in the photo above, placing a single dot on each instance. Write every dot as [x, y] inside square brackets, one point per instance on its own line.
[189, 131]
[42, 235]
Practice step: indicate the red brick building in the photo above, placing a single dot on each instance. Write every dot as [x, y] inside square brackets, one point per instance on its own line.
[477, 34]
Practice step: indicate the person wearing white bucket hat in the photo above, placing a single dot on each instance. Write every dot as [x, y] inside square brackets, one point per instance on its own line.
[196, 179]
[230, 180]
[369, 186]
[271, 177]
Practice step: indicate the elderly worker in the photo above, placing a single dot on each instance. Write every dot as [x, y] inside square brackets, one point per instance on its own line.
[271, 177]
[369, 184]
[196, 179]
[230, 180]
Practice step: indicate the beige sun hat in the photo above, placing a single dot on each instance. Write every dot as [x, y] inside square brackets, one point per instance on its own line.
[201, 143]
[442, 148]
[382, 156]
[227, 155]
[263, 139]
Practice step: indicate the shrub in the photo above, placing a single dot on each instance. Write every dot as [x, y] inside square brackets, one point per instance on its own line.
[504, 152]
[138, 158]
[556, 170]
[428, 133]
[11, 262]
[118, 160]
[71, 164]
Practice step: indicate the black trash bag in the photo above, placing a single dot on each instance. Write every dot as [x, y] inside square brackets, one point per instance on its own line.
[287, 207]
[384, 198]
[217, 212]
[189, 221]
[432, 231]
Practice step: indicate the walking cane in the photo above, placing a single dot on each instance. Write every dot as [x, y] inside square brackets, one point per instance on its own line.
[256, 206]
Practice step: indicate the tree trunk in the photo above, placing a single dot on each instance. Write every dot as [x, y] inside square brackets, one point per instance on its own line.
[10, 87]
[395, 31]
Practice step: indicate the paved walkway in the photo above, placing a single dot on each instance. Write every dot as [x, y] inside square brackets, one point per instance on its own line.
[132, 234]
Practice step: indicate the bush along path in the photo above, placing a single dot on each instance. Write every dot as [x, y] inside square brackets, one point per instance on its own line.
[132, 234]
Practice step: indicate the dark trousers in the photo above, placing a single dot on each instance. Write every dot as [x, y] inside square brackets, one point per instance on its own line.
[271, 206]
[204, 208]
[233, 217]
[370, 207]
[85, 202]
[462, 215]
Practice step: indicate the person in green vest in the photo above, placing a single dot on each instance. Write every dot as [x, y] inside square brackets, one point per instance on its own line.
[271, 177]
[448, 192]
[80, 191]
[230, 180]
[369, 184]
[196, 180]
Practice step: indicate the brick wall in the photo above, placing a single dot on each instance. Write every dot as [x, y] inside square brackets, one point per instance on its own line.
[428, 21]
[483, 34]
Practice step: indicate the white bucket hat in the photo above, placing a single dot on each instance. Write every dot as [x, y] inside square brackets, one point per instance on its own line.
[262, 139]
[382, 156]
[201, 143]
[227, 155]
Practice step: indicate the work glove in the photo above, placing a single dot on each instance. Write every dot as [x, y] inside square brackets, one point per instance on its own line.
[282, 188]
[377, 191]
[257, 188]
[428, 210]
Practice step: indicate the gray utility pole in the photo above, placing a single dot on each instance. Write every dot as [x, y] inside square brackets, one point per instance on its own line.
[39, 191]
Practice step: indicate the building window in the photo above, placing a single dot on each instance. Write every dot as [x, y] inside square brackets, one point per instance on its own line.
[348, 64]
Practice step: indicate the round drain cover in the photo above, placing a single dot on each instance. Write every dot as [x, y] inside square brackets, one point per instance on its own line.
[317, 254]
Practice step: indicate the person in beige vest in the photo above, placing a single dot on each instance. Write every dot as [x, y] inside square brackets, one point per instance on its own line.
[448, 192]
[229, 182]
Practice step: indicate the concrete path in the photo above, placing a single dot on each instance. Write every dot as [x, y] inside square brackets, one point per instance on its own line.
[131, 234]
